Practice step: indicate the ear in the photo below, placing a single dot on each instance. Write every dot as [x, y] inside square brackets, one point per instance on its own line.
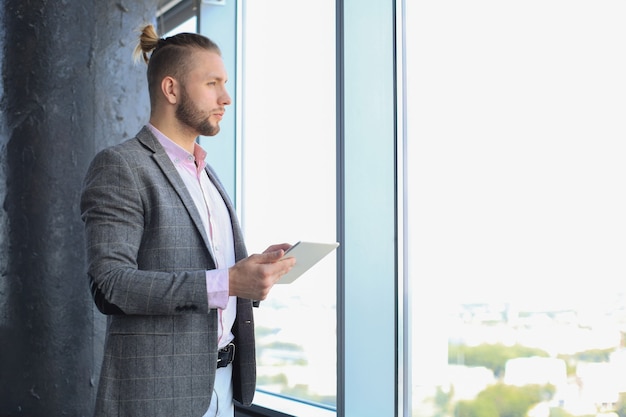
[170, 88]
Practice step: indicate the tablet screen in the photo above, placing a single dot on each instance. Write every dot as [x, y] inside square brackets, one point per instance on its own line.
[307, 254]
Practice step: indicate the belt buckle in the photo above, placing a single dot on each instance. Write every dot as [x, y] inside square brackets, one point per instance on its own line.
[230, 349]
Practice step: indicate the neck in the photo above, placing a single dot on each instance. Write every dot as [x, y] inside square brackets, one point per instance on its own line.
[183, 137]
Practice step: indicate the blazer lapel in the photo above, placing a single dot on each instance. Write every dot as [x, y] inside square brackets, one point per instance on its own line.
[240, 247]
[169, 170]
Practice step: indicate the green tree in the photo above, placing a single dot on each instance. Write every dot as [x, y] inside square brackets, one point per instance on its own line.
[559, 412]
[502, 400]
[621, 405]
[492, 356]
[476, 408]
[591, 355]
[443, 402]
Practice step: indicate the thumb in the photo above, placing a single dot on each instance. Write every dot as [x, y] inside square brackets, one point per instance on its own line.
[271, 257]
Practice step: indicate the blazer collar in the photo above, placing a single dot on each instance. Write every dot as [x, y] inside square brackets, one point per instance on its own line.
[164, 162]
[146, 137]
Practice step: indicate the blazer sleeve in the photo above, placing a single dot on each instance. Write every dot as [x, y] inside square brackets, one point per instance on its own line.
[116, 210]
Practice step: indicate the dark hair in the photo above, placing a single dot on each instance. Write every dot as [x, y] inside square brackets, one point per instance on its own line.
[169, 56]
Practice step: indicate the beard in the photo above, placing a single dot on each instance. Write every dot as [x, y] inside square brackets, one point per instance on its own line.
[191, 116]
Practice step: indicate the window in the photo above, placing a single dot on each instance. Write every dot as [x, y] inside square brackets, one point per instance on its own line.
[288, 191]
[516, 204]
[176, 16]
[186, 26]
[294, 66]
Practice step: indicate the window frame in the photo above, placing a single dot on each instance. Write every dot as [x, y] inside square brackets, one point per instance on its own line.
[368, 165]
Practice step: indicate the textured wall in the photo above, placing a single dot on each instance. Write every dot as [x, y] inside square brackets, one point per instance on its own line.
[69, 88]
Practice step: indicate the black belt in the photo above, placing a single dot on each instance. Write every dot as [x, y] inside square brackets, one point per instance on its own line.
[225, 355]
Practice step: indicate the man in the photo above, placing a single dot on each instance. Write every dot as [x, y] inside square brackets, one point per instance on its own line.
[166, 257]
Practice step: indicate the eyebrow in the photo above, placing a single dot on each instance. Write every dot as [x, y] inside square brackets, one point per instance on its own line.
[213, 76]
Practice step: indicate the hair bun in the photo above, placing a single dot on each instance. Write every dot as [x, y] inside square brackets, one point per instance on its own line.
[148, 41]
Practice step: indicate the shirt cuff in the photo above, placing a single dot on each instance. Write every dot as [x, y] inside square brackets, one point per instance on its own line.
[217, 288]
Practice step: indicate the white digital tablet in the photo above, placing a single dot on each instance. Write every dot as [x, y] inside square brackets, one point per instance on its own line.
[307, 254]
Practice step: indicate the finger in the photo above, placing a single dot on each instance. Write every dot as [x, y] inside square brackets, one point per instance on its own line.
[280, 246]
[271, 257]
[281, 268]
[287, 264]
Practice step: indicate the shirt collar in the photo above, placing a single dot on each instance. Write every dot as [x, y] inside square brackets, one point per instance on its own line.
[177, 154]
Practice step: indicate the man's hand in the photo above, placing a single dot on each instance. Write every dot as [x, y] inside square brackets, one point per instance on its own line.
[254, 276]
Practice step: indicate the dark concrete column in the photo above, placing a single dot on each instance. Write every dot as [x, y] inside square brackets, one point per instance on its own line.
[69, 88]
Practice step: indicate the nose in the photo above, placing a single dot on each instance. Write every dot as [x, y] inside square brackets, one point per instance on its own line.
[225, 98]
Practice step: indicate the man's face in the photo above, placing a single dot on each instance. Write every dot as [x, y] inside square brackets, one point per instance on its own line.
[203, 95]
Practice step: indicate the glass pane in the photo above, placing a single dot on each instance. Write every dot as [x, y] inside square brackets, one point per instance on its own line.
[289, 186]
[189, 25]
[517, 207]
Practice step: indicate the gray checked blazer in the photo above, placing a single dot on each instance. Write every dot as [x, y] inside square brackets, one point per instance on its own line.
[147, 254]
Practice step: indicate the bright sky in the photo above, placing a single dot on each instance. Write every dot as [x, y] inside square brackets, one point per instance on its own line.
[517, 140]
